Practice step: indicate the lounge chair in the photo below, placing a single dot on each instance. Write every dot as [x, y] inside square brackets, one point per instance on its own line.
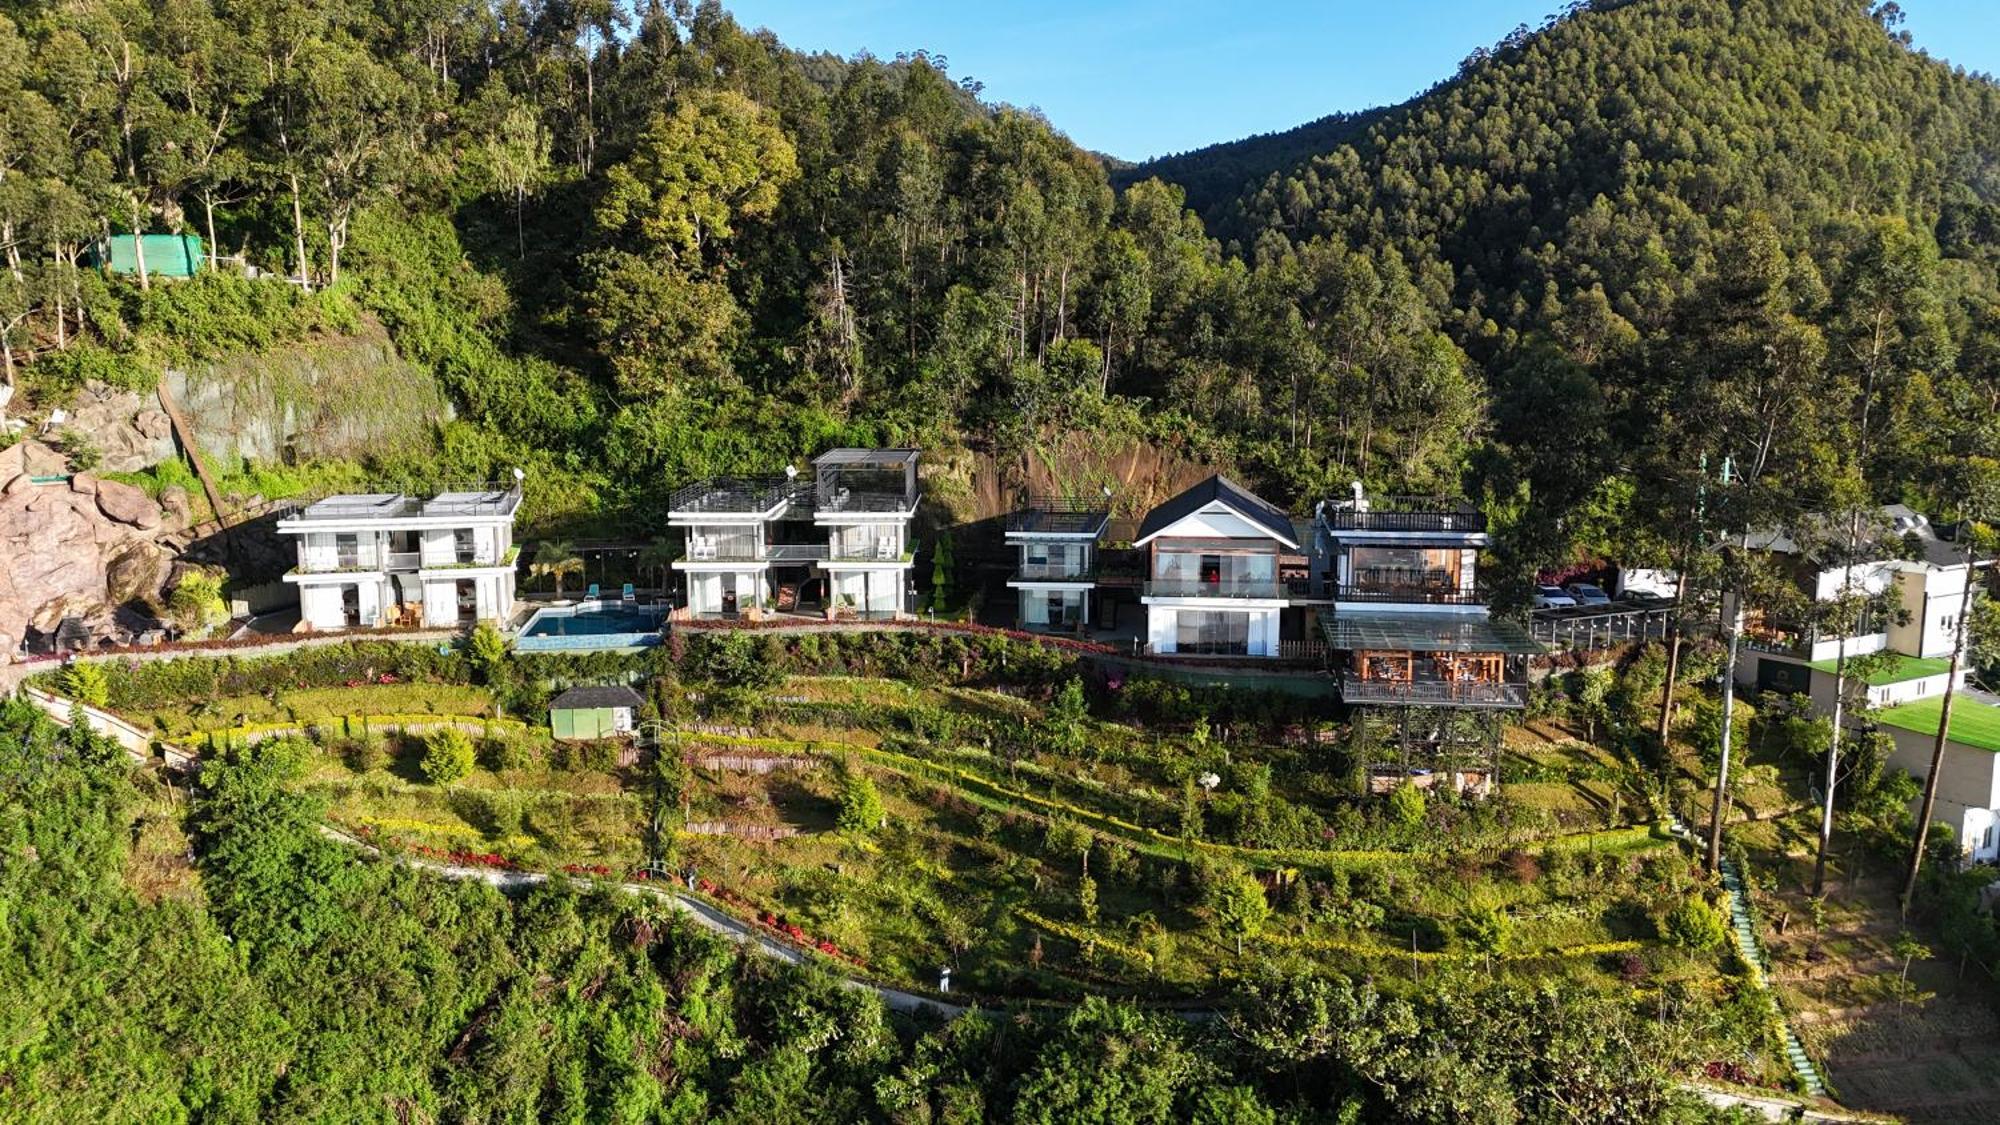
[591, 594]
[628, 595]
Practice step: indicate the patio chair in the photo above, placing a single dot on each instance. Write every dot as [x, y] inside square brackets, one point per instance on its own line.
[885, 549]
[628, 595]
[702, 547]
[591, 594]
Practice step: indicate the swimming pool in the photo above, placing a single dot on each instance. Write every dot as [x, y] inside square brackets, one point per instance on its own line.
[588, 626]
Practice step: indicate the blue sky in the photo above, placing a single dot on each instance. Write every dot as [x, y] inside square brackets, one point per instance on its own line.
[1141, 78]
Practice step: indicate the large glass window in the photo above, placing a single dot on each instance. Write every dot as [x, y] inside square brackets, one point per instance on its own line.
[1212, 632]
[1220, 571]
[1403, 570]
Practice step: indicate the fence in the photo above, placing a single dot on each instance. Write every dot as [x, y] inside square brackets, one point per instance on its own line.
[1600, 630]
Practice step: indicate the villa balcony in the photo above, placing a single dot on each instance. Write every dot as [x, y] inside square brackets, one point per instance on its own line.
[843, 502]
[1247, 589]
[881, 552]
[1374, 593]
[1433, 693]
[1052, 572]
[704, 550]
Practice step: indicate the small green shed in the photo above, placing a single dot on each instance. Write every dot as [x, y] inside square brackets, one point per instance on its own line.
[167, 255]
[585, 713]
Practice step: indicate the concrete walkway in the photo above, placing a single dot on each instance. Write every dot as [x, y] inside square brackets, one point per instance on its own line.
[701, 913]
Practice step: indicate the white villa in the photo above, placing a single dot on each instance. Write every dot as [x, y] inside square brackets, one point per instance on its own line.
[1057, 573]
[1212, 584]
[1917, 606]
[840, 541]
[378, 559]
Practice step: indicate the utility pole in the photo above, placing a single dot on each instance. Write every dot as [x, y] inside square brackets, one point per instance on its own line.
[1732, 630]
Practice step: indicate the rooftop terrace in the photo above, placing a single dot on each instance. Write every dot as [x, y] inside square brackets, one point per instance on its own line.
[1974, 721]
[1059, 515]
[1403, 513]
[738, 495]
[477, 500]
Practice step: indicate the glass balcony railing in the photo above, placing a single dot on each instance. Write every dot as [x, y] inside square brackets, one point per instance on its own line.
[1053, 572]
[1245, 588]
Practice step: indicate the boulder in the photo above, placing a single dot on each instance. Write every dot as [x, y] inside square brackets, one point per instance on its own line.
[127, 504]
[174, 501]
[32, 458]
[136, 573]
[71, 551]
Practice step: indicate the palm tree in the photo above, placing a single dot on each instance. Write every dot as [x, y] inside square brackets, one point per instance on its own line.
[657, 556]
[555, 559]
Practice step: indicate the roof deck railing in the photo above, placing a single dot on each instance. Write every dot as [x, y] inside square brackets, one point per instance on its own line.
[453, 498]
[736, 495]
[1060, 515]
[1404, 513]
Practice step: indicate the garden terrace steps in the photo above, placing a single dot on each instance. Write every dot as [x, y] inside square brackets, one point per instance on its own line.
[998, 795]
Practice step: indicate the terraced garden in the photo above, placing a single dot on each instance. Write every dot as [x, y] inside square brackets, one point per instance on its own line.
[1042, 839]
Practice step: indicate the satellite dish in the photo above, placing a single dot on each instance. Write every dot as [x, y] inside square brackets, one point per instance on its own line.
[519, 476]
[791, 472]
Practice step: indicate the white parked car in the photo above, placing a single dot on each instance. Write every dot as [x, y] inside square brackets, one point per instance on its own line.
[1553, 597]
[1588, 595]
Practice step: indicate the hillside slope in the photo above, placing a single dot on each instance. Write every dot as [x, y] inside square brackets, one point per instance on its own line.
[1605, 149]
[1214, 176]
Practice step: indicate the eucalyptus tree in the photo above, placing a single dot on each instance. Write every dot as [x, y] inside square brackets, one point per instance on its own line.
[1888, 326]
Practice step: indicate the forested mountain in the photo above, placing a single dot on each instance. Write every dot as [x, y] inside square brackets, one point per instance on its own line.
[1213, 176]
[638, 243]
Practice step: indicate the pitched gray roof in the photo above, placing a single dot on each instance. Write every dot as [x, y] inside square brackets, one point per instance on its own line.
[590, 698]
[1239, 500]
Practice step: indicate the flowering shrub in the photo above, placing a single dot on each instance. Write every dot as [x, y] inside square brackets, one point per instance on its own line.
[464, 858]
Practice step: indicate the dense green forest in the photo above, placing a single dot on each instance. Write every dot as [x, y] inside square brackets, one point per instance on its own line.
[281, 977]
[639, 243]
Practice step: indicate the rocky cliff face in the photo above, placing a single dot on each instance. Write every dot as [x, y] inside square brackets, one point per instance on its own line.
[85, 547]
[351, 397]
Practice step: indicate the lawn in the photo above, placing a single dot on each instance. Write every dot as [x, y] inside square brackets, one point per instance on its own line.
[1897, 669]
[1973, 723]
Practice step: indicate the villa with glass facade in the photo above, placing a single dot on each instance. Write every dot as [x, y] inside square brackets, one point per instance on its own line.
[379, 559]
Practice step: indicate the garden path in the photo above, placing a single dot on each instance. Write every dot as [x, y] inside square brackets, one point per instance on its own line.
[701, 913]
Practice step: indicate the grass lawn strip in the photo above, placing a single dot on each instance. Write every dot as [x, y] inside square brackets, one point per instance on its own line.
[1900, 670]
[1973, 722]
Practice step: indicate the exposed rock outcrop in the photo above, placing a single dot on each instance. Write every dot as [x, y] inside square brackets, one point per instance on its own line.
[83, 548]
[342, 396]
[130, 430]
